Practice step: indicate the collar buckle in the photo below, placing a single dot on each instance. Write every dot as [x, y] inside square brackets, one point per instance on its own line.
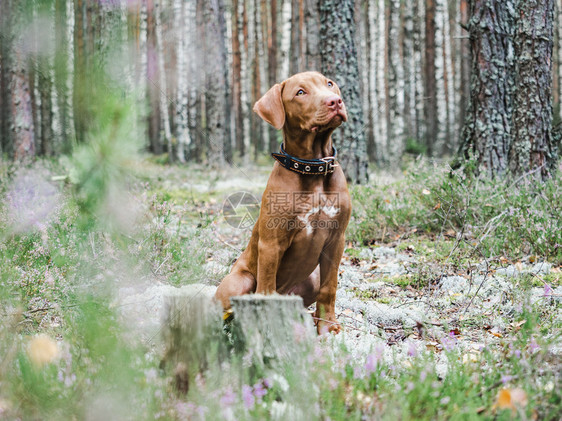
[330, 163]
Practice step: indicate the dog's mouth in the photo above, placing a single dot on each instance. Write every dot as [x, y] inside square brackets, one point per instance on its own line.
[330, 121]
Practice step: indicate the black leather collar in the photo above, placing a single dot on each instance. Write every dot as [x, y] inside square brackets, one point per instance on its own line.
[322, 166]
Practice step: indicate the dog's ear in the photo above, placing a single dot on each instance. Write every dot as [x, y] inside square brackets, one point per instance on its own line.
[270, 107]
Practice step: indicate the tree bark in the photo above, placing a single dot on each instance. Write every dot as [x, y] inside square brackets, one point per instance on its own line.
[216, 84]
[395, 99]
[339, 61]
[465, 59]
[22, 116]
[533, 146]
[487, 134]
[430, 83]
[272, 45]
[6, 63]
[237, 81]
[153, 79]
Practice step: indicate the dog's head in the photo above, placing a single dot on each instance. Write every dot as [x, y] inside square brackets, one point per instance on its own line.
[307, 101]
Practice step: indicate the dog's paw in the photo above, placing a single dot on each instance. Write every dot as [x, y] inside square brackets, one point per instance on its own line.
[330, 325]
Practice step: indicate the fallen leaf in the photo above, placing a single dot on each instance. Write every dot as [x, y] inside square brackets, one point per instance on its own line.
[437, 206]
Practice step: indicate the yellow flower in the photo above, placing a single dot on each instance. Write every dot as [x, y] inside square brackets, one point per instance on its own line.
[42, 350]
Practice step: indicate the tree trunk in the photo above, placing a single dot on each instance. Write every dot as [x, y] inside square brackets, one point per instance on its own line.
[153, 79]
[395, 100]
[272, 66]
[312, 39]
[465, 55]
[216, 84]
[557, 62]
[430, 109]
[61, 74]
[6, 63]
[487, 134]
[533, 145]
[237, 81]
[339, 61]
[22, 115]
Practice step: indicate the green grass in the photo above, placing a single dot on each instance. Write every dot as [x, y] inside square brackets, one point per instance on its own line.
[499, 218]
[60, 281]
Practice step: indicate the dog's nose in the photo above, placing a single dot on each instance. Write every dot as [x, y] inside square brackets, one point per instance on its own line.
[334, 102]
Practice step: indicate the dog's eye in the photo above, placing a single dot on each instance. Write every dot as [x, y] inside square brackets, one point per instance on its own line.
[330, 83]
[300, 92]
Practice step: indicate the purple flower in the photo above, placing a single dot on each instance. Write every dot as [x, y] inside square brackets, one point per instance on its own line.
[229, 398]
[357, 373]
[423, 375]
[547, 290]
[449, 342]
[412, 349]
[259, 391]
[248, 397]
[506, 378]
[533, 346]
[370, 364]
[267, 382]
[445, 400]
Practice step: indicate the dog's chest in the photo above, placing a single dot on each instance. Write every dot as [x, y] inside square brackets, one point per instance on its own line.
[306, 212]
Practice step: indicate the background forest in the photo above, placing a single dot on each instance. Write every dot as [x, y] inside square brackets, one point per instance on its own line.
[193, 70]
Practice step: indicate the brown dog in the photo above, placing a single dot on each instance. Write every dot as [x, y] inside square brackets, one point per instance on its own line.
[298, 240]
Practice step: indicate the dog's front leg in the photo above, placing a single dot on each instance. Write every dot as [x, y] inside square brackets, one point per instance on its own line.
[270, 253]
[325, 304]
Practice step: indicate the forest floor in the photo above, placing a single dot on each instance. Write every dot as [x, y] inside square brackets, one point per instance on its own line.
[449, 293]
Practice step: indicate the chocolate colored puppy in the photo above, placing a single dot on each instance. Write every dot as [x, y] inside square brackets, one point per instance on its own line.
[298, 241]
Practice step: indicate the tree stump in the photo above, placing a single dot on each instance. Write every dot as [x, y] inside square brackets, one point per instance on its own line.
[193, 335]
[272, 328]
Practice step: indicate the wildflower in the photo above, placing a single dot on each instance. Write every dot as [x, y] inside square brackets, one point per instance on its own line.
[506, 378]
[511, 399]
[299, 332]
[259, 391]
[267, 382]
[533, 346]
[412, 349]
[248, 397]
[42, 350]
[449, 342]
[423, 375]
[229, 398]
[445, 400]
[547, 290]
[370, 364]
[409, 387]
[357, 373]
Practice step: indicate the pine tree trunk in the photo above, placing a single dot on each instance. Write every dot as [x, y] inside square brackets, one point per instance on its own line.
[339, 61]
[216, 84]
[465, 54]
[487, 134]
[430, 83]
[61, 74]
[533, 146]
[237, 81]
[22, 115]
[409, 72]
[80, 85]
[557, 62]
[272, 66]
[6, 63]
[256, 122]
[312, 39]
[153, 79]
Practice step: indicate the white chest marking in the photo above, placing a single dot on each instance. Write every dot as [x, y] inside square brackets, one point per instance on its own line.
[309, 225]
